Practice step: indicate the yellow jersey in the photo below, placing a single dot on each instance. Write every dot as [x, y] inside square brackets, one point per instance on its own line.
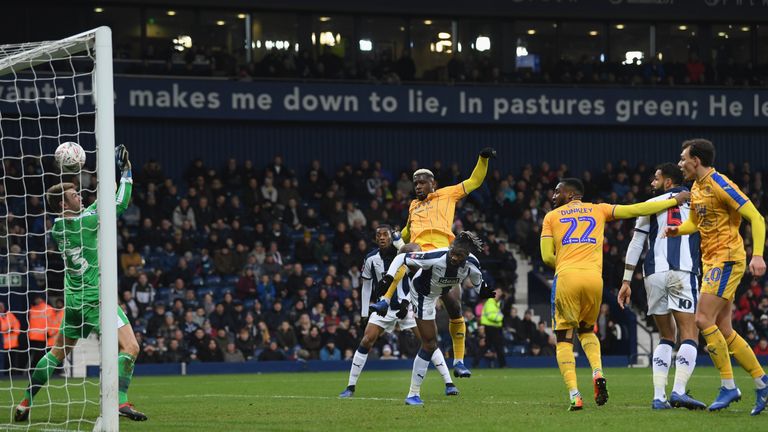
[577, 229]
[715, 204]
[430, 220]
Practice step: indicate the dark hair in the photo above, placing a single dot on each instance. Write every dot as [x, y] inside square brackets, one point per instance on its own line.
[672, 172]
[574, 184]
[469, 241]
[702, 149]
[387, 227]
[55, 195]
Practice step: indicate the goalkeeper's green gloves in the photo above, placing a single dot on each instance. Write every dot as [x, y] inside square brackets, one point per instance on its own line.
[121, 159]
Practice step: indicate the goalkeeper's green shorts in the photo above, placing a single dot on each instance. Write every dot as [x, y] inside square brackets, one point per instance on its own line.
[81, 319]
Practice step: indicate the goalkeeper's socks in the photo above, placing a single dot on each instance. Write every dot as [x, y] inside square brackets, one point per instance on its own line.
[125, 363]
[43, 371]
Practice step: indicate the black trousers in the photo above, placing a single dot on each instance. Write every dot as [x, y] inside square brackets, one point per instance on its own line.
[495, 340]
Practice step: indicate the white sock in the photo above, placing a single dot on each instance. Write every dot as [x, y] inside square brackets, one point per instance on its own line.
[420, 366]
[358, 363]
[662, 357]
[573, 393]
[761, 382]
[439, 361]
[684, 365]
[730, 384]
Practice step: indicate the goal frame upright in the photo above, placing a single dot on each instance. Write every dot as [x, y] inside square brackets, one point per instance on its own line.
[100, 41]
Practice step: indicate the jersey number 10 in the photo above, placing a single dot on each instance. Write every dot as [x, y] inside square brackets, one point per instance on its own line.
[574, 224]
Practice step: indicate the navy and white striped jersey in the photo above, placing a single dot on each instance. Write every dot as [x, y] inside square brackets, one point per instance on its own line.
[374, 267]
[675, 253]
[435, 273]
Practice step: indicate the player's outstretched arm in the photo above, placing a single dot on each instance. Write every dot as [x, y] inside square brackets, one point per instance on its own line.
[649, 207]
[548, 251]
[481, 169]
[750, 212]
[688, 227]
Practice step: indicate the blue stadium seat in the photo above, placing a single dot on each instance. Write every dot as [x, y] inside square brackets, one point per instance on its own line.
[248, 304]
[163, 294]
[198, 282]
[231, 279]
[213, 280]
[311, 268]
[201, 292]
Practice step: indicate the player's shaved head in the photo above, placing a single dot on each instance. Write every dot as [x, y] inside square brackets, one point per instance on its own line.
[574, 184]
[567, 190]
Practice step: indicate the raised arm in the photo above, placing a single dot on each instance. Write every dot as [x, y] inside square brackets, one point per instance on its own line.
[481, 169]
[126, 179]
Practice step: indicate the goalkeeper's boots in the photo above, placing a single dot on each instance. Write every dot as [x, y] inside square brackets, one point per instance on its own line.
[22, 411]
[685, 401]
[461, 371]
[381, 307]
[451, 389]
[577, 404]
[659, 404]
[601, 391]
[761, 399]
[127, 410]
[414, 401]
[348, 392]
[724, 398]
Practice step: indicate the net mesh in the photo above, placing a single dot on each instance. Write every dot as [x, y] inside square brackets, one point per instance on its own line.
[46, 98]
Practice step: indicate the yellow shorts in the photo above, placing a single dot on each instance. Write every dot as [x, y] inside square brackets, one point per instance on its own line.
[722, 279]
[576, 299]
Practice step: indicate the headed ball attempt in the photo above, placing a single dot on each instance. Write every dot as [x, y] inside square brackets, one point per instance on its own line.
[70, 156]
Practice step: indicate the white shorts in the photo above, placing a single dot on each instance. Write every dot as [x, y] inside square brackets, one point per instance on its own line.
[671, 290]
[389, 321]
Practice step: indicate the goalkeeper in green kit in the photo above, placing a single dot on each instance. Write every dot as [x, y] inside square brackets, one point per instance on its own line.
[75, 233]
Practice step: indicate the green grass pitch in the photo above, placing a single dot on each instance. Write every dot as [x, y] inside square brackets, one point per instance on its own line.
[492, 400]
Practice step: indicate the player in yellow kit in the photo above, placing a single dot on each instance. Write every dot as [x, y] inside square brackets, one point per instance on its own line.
[430, 218]
[572, 244]
[717, 206]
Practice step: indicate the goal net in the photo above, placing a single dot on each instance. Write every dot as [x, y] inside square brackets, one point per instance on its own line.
[50, 93]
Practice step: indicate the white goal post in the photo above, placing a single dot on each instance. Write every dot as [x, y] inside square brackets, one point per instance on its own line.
[23, 59]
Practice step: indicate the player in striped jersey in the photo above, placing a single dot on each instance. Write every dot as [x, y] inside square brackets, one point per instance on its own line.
[430, 217]
[671, 271]
[572, 243]
[718, 206]
[434, 273]
[374, 268]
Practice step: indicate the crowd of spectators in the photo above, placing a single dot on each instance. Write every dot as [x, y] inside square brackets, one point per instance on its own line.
[247, 262]
[470, 68]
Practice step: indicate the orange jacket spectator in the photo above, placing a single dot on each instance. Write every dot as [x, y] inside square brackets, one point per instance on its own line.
[41, 322]
[54, 324]
[10, 328]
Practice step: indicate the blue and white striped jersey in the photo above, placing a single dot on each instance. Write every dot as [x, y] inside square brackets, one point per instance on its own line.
[374, 267]
[676, 253]
[435, 273]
